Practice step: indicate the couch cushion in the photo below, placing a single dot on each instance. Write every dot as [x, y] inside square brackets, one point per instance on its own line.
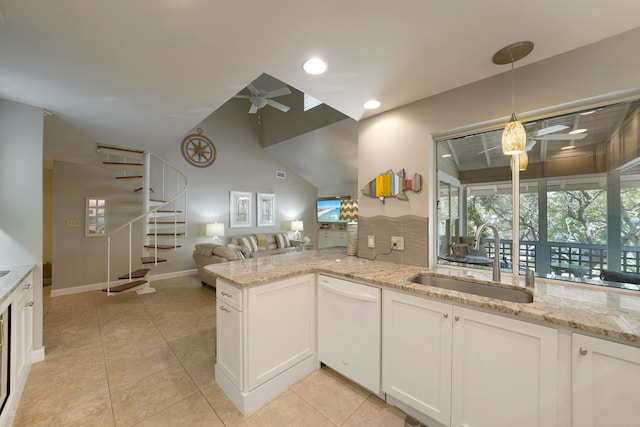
[282, 240]
[206, 249]
[250, 242]
[228, 253]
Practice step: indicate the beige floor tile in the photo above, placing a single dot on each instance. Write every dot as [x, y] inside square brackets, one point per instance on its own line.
[94, 413]
[127, 367]
[334, 397]
[201, 343]
[227, 412]
[136, 401]
[287, 410]
[189, 322]
[194, 411]
[201, 370]
[374, 412]
[130, 338]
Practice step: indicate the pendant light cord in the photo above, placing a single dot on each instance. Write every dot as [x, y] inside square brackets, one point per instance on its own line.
[513, 89]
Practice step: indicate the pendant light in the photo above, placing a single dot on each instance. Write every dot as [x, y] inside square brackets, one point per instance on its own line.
[514, 137]
[523, 161]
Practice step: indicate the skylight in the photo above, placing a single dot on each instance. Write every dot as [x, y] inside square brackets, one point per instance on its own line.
[310, 102]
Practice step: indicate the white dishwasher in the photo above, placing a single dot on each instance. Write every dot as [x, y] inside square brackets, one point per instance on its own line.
[349, 330]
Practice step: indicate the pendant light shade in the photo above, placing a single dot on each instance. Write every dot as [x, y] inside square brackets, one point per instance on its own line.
[523, 161]
[514, 137]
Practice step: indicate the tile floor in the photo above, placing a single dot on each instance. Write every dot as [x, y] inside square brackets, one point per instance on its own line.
[148, 361]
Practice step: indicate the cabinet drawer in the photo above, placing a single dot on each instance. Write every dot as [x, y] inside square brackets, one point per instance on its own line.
[229, 294]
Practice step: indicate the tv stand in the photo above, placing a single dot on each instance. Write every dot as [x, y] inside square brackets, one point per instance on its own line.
[328, 237]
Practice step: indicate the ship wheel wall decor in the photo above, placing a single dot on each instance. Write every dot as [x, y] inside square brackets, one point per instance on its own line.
[198, 150]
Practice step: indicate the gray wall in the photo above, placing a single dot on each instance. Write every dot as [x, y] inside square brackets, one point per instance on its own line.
[241, 164]
[401, 138]
[21, 194]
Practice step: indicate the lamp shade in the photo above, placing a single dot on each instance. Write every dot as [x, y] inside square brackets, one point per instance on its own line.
[349, 210]
[514, 137]
[216, 229]
[297, 225]
[523, 161]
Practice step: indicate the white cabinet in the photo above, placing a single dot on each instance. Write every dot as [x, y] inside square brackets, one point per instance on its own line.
[464, 367]
[417, 353]
[22, 327]
[504, 371]
[281, 327]
[331, 238]
[349, 330]
[605, 381]
[229, 332]
[265, 338]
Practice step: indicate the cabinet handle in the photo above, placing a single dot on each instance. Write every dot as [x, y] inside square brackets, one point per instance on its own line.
[223, 308]
[457, 318]
[583, 351]
[445, 315]
[1, 332]
[226, 294]
[29, 304]
[27, 286]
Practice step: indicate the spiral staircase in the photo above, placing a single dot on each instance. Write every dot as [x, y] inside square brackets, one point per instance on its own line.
[163, 219]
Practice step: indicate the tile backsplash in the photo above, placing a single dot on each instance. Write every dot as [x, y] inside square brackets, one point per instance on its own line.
[414, 229]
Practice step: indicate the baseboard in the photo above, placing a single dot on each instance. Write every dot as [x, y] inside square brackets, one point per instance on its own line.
[37, 355]
[100, 286]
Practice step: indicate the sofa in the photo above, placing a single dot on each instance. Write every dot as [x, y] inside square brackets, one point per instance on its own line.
[240, 247]
[263, 244]
[212, 253]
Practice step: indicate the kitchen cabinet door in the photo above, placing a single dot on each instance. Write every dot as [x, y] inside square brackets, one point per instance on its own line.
[281, 327]
[605, 381]
[504, 372]
[22, 324]
[229, 342]
[416, 359]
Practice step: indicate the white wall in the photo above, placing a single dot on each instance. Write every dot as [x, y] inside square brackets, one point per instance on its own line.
[241, 164]
[21, 194]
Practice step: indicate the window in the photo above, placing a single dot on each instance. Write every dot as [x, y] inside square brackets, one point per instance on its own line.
[95, 220]
[579, 197]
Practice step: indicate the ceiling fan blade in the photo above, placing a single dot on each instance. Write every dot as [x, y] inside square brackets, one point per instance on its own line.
[252, 89]
[253, 109]
[489, 149]
[562, 137]
[279, 106]
[551, 129]
[242, 96]
[278, 92]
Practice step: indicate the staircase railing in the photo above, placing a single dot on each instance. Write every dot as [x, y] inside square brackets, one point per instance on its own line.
[181, 192]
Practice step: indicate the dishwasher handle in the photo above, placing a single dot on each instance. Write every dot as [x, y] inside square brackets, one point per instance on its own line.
[352, 295]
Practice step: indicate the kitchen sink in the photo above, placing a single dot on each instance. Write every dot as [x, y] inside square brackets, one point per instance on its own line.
[484, 290]
[4, 273]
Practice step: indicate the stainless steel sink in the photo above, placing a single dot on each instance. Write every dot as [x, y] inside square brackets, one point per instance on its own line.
[4, 273]
[484, 290]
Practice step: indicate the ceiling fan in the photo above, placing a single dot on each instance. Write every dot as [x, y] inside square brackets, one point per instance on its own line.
[546, 134]
[260, 98]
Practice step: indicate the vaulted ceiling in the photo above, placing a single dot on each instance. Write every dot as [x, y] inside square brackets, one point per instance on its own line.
[142, 73]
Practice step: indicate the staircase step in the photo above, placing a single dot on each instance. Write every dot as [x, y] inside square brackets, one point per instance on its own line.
[151, 260]
[138, 274]
[167, 222]
[165, 234]
[126, 286]
[162, 246]
[120, 151]
[131, 178]
[123, 165]
[140, 189]
[164, 214]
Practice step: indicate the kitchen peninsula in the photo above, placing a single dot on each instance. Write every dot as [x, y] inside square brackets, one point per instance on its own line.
[566, 321]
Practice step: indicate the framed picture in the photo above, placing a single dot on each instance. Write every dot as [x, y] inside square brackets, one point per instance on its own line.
[266, 209]
[239, 209]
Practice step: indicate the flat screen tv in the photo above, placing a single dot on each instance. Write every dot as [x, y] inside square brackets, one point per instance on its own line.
[328, 209]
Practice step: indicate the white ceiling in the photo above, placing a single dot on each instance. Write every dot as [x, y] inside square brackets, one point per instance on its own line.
[142, 73]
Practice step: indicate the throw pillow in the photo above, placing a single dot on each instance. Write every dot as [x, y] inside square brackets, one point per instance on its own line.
[250, 242]
[262, 240]
[283, 240]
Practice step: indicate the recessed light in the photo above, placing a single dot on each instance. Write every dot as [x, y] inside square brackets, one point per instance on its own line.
[568, 147]
[315, 66]
[444, 156]
[576, 131]
[371, 104]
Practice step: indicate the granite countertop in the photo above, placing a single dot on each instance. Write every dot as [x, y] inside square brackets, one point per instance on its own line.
[592, 309]
[10, 281]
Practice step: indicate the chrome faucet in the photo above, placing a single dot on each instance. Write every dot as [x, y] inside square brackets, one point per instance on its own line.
[496, 257]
